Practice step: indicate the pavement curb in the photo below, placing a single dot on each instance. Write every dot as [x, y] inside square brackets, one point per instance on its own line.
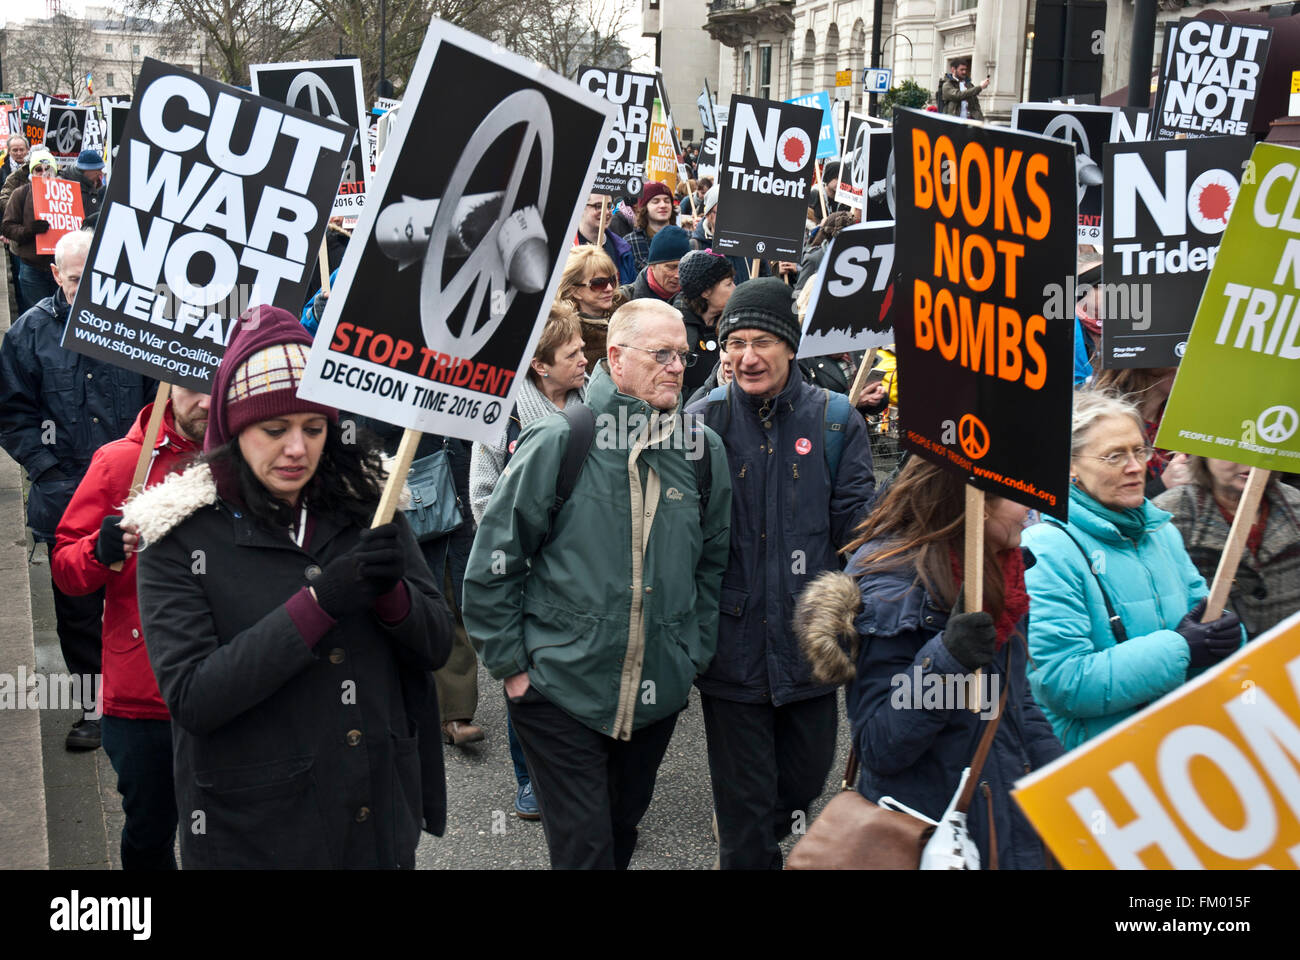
[24, 843]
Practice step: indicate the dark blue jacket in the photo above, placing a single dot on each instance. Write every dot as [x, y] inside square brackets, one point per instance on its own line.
[58, 407]
[916, 755]
[620, 251]
[788, 519]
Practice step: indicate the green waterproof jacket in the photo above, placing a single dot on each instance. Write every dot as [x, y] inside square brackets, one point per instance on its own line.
[615, 614]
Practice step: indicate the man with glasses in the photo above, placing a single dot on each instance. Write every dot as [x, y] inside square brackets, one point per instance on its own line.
[57, 408]
[590, 226]
[21, 227]
[800, 462]
[599, 609]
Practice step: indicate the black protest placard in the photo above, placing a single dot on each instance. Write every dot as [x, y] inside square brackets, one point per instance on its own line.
[852, 305]
[68, 130]
[623, 154]
[330, 89]
[115, 120]
[990, 229]
[456, 258]
[218, 202]
[867, 172]
[37, 116]
[1210, 82]
[1167, 203]
[765, 176]
[105, 105]
[1132, 124]
[1089, 128]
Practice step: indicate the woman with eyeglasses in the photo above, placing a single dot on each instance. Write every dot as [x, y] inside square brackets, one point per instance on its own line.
[1115, 602]
[21, 226]
[590, 285]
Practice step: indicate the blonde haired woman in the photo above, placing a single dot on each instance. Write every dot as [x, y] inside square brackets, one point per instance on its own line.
[590, 285]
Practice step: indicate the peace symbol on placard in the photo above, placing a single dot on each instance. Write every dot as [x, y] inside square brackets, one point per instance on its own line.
[318, 96]
[1277, 423]
[68, 134]
[485, 271]
[974, 436]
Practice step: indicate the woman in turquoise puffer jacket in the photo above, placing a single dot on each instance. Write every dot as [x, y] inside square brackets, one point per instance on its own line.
[1126, 562]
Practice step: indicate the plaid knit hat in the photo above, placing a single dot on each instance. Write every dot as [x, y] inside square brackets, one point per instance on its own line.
[700, 270]
[259, 375]
[762, 304]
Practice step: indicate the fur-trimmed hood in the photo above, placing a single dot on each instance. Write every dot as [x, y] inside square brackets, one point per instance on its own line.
[824, 622]
[157, 511]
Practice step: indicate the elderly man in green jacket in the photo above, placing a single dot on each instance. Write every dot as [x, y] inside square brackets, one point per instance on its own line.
[599, 615]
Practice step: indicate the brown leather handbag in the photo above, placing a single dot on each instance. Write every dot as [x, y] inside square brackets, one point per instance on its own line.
[853, 833]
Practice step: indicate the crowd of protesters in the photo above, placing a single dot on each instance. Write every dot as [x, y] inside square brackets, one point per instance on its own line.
[273, 663]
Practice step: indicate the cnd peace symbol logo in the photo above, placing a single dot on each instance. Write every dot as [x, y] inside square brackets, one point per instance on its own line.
[1068, 127]
[491, 414]
[974, 436]
[1276, 424]
[760, 246]
[67, 135]
[859, 170]
[319, 98]
[485, 277]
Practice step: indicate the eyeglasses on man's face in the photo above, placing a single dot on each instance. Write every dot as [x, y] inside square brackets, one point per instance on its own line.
[737, 345]
[665, 356]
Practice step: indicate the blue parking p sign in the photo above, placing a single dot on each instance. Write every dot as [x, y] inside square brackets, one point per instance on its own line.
[876, 79]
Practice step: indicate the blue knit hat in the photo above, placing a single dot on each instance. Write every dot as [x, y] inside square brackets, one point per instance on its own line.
[670, 244]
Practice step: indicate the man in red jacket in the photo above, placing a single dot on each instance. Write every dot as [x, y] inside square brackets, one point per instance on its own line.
[135, 726]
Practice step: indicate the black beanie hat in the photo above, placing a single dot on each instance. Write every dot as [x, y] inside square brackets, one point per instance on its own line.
[671, 243]
[701, 269]
[766, 303]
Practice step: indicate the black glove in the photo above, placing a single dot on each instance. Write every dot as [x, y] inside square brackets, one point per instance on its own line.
[970, 638]
[40, 226]
[341, 589]
[381, 558]
[1210, 642]
[110, 548]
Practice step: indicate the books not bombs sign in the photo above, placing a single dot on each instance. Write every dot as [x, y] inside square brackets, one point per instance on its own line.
[765, 176]
[990, 226]
[1089, 128]
[627, 143]
[1237, 394]
[38, 113]
[1166, 205]
[852, 305]
[454, 264]
[1210, 82]
[330, 89]
[218, 202]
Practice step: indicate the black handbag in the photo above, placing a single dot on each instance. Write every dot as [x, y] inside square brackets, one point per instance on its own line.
[435, 508]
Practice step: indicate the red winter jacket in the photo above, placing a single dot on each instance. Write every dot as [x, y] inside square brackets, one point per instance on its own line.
[129, 688]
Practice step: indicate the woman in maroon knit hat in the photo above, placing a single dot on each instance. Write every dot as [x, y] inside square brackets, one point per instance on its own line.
[291, 643]
[654, 211]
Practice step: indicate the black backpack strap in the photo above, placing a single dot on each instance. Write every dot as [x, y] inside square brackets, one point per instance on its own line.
[1116, 625]
[703, 468]
[582, 432]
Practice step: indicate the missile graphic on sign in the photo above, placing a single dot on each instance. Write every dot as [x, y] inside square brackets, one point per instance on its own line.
[403, 231]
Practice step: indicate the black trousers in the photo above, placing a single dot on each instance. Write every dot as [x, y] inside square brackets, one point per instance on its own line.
[79, 624]
[592, 790]
[141, 754]
[767, 764]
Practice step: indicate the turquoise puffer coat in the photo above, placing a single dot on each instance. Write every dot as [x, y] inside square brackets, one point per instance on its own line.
[1084, 680]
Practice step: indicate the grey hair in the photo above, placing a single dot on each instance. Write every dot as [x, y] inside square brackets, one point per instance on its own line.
[1093, 406]
[74, 244]
[16, 136]
[625, 324]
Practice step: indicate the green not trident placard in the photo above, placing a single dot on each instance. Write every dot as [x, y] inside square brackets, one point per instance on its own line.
[1237, 395]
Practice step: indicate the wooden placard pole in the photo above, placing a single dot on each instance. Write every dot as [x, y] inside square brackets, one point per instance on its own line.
[821, 192]
[396, 477]
[860, 380]
[1242, 521]
[600, 234]
[753, 269]
[972, 568]
[324, 268]
[151, 431]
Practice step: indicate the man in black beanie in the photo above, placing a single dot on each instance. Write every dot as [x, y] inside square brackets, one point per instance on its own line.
[800, 463]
